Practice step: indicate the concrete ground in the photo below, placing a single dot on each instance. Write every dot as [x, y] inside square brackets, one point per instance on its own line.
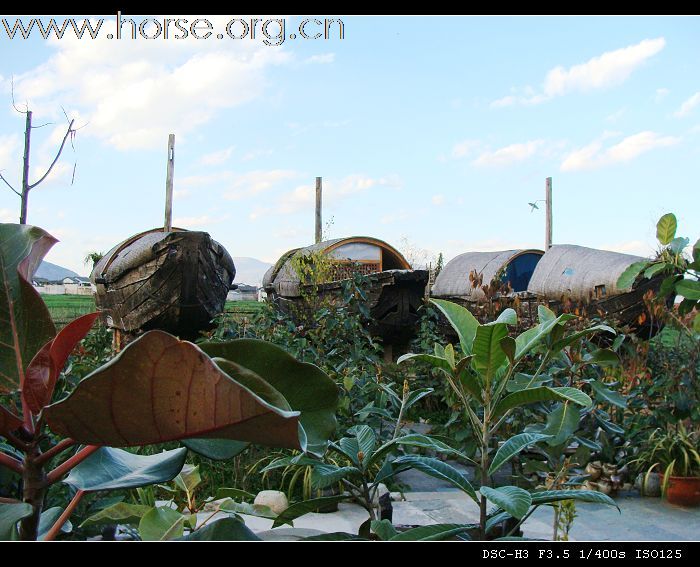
[641, 519]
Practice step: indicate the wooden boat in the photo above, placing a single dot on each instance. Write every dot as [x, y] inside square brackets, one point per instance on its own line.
[566, 278]
[395, 295]
[175, 281]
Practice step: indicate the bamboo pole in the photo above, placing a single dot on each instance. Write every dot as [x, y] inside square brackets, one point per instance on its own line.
[319, 191]
[169, 184]
[548, 226]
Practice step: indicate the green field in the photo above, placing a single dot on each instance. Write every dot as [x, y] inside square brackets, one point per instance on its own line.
[65, 308]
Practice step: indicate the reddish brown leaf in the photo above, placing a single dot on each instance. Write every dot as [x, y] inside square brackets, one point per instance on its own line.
[25, 323]
[46, 366]
[8, 421]
[161, 389]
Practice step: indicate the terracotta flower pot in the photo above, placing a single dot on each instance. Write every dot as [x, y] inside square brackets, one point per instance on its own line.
[683, 490]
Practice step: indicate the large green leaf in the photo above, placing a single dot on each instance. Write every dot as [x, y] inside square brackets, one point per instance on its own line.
[690, 289]
[541, 394]
[666, 228]
[550, 496]
[462, 321]
[512, 499]
[417, 440]
[298, 509]
[488, 354]
[512, 447]
[436, 361]
[562, 422]
[607, 395]
[111, 469]
[305, 386]
[533, 337]
[25, 323]
[216, 449]
[119, 513]
[161, 524]
[384, 529]
[48, 519]
[573, 337]
[258, 510]
[434, 532]
[326, 474]
[10, 514]
[629, 276]
[162, 389]
[225, 529]
[440, 470]
[366, 440]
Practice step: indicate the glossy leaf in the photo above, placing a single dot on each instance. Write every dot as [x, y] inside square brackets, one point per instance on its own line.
[629, 276]
[573, 337]
[562, 422]
[162, 389]
[512, 499]
[306, 387]
[216, 449]
[111, 469]
[10, 514]
[48, 519]
[605, 394]
[188, 479]
[440, 470]
[462, 321]
[550, 496]
[417, 440]
[488, 354]
[666, 228]
[119, 513]
[8, 421]
[161, 524]
[225, 529]
[25, 323]
[384, 529]
[436, 361]
[690, 289]
[512, 447]
[434, 532]
[257, 510]
[507, 316]
[46, 366]
[541, 394]
[602, 357]
[326, 474]
[300, 508]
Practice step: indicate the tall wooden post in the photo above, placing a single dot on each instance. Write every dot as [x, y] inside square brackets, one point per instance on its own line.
[169, 184]
[319, 191]
[25, 170]
[548, 226]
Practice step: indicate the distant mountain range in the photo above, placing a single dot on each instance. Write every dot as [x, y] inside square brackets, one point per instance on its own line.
[248, 271]
[52, 272]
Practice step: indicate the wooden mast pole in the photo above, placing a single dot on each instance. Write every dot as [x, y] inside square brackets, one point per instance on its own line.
[169, 184]
[319, 191]
[548, 225]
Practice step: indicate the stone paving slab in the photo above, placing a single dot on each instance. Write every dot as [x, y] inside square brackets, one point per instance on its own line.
[642, 519]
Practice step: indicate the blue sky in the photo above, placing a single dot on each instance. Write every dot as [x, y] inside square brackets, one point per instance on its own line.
[430, 133]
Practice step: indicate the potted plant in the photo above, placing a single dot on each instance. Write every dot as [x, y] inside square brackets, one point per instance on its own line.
[675, 452]
[647, 464]
[681, 462]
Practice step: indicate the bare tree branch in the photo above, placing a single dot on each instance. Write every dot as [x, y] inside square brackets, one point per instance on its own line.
[12, 85]
[58, 155]
[10, 186]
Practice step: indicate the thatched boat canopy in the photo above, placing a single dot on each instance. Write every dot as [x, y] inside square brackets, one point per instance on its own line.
[513, 266]
[579, 273]
[366, 254]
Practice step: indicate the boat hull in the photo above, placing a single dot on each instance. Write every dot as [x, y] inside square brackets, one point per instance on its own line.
[176, 282]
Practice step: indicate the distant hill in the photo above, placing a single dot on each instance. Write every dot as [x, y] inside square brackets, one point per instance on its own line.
[250, 270]
[52, 272]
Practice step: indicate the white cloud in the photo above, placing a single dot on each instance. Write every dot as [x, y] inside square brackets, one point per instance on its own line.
[6, 215]
[508, 154]
[688, 105]
[465, 148]
[438, 200]
[133, 94]
[259, 181]
[594, 155]
[323, 58]
[610, 69]
[217, 158]
[661, 94]
[10, 155]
